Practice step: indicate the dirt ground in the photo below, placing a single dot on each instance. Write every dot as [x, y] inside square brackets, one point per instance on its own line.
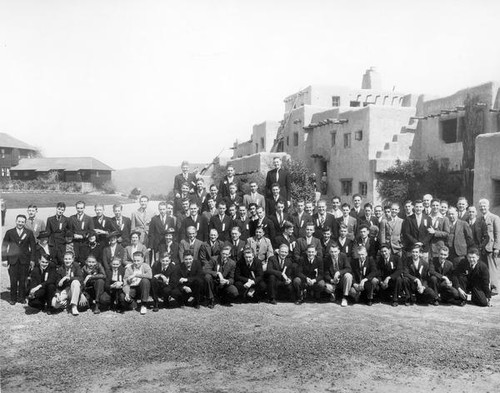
[253, 347]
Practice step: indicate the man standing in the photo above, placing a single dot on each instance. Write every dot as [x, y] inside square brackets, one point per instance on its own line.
[415, 230]
[493, 246]
[121, 224]
[390, 230]
[349, 221]
[184, 177]
[221, 222]
[18, 249]
[336, 210]
[254, 196]
[140, 220]
[34, 224]
[196, 220]
[227, 181]
[426, 200]
[81, 225]
[300, 218]
[459, 238]
[282, 178]
[159, 224]
[462, 205]
[479, 231]
[57, 226]
[356, 212]
[102, 225]
[323, 220]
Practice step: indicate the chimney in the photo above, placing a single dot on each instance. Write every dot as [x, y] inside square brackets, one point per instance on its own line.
[371, 80]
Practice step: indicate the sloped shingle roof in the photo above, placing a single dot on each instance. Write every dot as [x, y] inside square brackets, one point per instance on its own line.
[9, 141]
[60, 163]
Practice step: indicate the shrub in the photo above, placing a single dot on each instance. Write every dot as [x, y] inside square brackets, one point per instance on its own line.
[302, 181]
[108, 187]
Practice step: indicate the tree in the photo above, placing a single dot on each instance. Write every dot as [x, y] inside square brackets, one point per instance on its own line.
[302, 180]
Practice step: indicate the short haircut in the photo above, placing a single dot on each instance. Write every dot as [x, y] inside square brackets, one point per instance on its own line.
[368, 204]
[118, 205]
[473, 250]
[336, 197]
[252, 205]
[98, 204]
[385, 245]
[309, 246]
[32, 207]
[363, 226]
[221, 203]
[71, 253]
[345, 204]
[162, 203]
[444, 248]
[356, 195]
[275, 185]
[138, 254]
[61, 204]
[165, 255]
[21, 216]
[80, 203]
[418, 201]
[188, 253]
[144, 197]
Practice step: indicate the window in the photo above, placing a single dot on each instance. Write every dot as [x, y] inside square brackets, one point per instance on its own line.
[347, 140]
[295, 138]
[354, 104]
[358, 135]
[96, 173]
[346, 187]
[334, 138]
[2, 152]
[496, 192]
[452, 130]
[262, 144]
[3, 172]
[363, 188]
[335, 101]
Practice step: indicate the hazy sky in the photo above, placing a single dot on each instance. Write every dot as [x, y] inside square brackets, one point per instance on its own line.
[141, 83]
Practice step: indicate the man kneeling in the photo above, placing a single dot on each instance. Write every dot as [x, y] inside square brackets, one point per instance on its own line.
[94, 279]
[42, 284]
[137, 281]
[338, 274]
[249, 277]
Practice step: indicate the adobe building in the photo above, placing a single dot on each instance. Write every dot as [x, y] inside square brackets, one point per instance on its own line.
[487, 169]
[70, 169]
[11, 151]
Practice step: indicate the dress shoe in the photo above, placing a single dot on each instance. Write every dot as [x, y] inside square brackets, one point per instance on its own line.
[12, 302]
[370, 303]
[435, 303]
[394, 304]
[211, 303]
[96, 309]
[273, 302]
[407, 303]
[143, 310]
[74, 310]
[343, 303]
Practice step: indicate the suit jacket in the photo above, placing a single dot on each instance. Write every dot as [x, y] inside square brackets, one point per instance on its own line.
[107, 256]
[475, 278]
[56, 229]
[195, 248]
[367, 270]
[201, 224]
[460, 237]
[195, 273]
[271, 206]
[244, 226]
[215, 265]
[87, 250]
[223, 226]
[50, 255]
[262, 248]
[278, 224]
[119, 278]
[357, 214]
[291, 242]
[412, 233]
[204, 205]
[372, 246]
[74, 273]
[208, 251]
[224, 186]
[479, 231]
[124, 228]
[438, 271]
[268, 226]
[36, 226]
[329, 222]
[81, 227]
[343, 266]
[284, 182]
[171, 272]
[440, 238]
[129, 254]
[390, 233]
[299, 224]
[464, 216]
[48, 277]
[257, 199]
[173, 252]
[306, 269]
[105, 225]
[140, 222]
[179, 180]
[274, 268]
[394, 268]
[19, 249]
[421, 271]
[352, 226]
[301, 248]
[199, 198]
[347, 247]
[236, 250]
[254, 272]
[97, 273]
[493, 224]
[370, 221]
[157, 229]
[236, 200]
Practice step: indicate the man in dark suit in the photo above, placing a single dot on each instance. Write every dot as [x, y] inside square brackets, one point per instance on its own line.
[159, 224]
[338, 274]
[81, 225]
[274, 199]
[91, 247]
[442, 272]
[264, 222]
[102, 225]
[94, 280]
[364, 277]
[479, 230]
[249, 277]
[473, 277]
[184, 177]
[300, 218]
[279, 274]
[278, 219]
[165, 281]
[219, 278]
[415, 229]
[357, 211]
[18, 249]
[282, 178]
[416, 276]
[459, 238]
[190, 281]
[323, 220]
[214, 196]
[56, 227]
[243, 222]
[462, 212]
[221, 222]
[236, 243]
[346, 245]
[44, 249]
[309, 275]
[227, 181]
[114, 285]
[287, 238]
[439, 229]
[169, 246]
[367, 217]
[196, 220]
[233, 197]
[368, 242]
[121, 224]
[211, 248]
[200, 194]
[390, 275]
[304, 242]
[42, 285]
[112, 251]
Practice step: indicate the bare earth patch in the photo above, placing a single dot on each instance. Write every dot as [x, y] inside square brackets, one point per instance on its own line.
[253, 347]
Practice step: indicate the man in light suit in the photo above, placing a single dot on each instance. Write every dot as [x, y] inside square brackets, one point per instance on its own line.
[254, 196]
[261, 246]
[462, 205]
[184, 177]
[141, 218]
[18, 249]
[459, 238]
[34, 224]
[349, 221]
[211, 248]
[439, 230]
[493, 246]
[281, 177]
[192, 244]
[390, 230]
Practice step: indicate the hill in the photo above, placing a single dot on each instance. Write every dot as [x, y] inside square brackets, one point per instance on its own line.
[151, 180]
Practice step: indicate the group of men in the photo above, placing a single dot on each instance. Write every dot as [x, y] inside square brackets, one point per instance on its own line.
[223, 245]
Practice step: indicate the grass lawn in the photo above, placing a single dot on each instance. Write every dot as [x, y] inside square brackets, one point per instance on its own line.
[17, 200]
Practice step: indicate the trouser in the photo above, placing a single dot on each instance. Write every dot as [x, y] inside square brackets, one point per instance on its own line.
[117, 297]
[160, 289]
[393, 289]
[259, 287]
[427, 296]
[275, 284]
[299, 285]
[448, 294]
[71, 292]
[366, 292]
[141, 290]
[226, 292]
[18, 273]
[478, 296]
[343, 286]
[95, 290]
[43, 296]
[195, 284]
[493, 268]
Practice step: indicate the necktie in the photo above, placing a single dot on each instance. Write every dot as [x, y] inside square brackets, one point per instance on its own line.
[277, 175]
[336, 265]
